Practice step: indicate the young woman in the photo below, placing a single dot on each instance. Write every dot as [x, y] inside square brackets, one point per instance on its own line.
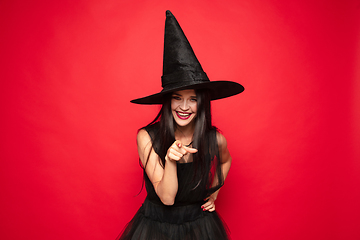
[185, 159]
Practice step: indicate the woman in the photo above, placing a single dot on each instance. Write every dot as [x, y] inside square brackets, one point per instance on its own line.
[185, 159]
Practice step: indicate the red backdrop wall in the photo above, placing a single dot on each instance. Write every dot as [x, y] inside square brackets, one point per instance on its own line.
[69, 165]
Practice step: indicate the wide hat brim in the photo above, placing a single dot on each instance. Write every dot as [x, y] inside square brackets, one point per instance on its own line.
[217, 90]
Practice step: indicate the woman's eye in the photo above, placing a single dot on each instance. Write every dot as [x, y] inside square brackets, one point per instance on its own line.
[193, 99]
[176, 97]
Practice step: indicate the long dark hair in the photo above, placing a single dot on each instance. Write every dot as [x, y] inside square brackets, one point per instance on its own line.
[204, 138]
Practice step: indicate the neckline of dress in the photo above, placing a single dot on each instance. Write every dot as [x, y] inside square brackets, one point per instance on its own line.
[184, 162]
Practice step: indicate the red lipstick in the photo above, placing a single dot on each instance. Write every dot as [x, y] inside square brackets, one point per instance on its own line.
[183, 115]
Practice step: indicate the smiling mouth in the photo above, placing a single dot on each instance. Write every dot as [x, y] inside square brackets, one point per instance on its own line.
[183, 116]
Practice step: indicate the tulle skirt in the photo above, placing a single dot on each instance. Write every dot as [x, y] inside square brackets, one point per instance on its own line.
[187, 222]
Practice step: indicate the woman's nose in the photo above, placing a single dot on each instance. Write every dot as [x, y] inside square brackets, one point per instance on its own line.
[184, 105]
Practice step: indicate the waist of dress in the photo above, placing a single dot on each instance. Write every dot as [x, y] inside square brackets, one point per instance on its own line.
[174, 214]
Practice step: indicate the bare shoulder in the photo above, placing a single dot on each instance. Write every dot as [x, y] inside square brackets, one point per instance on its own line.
[224, 151]
[143, 137]
[221, 140]
[144, 145]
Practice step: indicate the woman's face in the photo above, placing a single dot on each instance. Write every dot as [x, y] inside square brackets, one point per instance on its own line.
[184, 106]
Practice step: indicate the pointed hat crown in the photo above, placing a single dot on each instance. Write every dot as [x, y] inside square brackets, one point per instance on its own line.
[179, 58]
[182, 70]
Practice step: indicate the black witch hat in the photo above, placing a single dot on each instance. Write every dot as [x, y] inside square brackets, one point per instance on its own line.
[182, 70]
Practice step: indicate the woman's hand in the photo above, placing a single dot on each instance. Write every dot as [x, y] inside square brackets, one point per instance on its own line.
[209, 205]
[177, 150]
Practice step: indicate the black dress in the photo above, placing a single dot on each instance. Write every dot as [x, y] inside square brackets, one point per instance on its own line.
[185, 220]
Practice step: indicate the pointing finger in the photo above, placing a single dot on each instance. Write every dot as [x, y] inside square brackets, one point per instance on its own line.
[190, 150]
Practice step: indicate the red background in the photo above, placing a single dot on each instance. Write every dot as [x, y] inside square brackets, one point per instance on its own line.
[69, 165]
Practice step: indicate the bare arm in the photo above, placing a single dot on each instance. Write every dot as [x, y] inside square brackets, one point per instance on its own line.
[164, 180]
[225, 167]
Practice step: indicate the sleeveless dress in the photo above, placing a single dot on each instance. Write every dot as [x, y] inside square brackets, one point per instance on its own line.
[185, 220]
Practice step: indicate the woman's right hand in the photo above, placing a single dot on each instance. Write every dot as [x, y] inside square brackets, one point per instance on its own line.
[177, 150]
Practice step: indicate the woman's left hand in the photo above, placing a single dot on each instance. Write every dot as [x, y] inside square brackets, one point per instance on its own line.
[209, 205]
